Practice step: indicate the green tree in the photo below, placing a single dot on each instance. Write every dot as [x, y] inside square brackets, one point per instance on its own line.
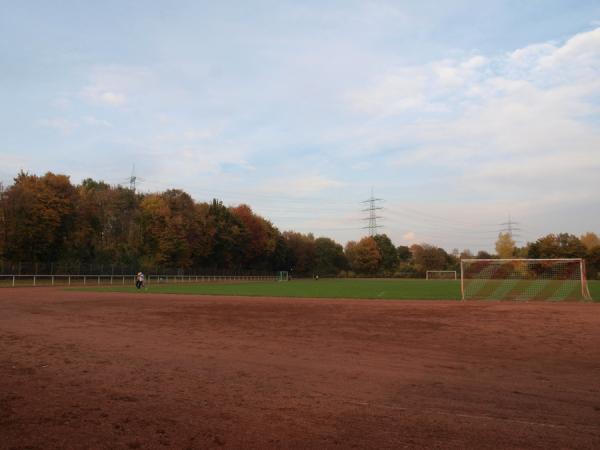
[389, 255]
[562, 245]
[592, 259]
[300, 254]
[329, 257]
[403, 253]
[230, 238]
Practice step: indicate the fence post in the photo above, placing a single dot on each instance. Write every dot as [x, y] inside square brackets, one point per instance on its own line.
[69, 280]
[84, 280]
[52, 280]
[13, 281]
[98, 280]
[34, 276]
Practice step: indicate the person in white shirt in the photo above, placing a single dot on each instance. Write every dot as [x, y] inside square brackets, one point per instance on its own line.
[139, 280]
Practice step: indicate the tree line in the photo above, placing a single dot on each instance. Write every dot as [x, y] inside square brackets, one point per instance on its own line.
[48, 220]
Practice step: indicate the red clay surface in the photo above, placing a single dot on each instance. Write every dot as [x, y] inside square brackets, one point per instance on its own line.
[108, 370]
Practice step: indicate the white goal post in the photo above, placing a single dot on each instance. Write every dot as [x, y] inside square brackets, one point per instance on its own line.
[553, 279]
[283, 275]
[441, 275]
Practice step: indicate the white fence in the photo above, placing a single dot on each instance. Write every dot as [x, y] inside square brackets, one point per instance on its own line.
[115, 280]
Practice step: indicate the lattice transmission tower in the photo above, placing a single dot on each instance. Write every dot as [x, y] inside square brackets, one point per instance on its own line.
[510, 227]
[372, 210]
[133, 179]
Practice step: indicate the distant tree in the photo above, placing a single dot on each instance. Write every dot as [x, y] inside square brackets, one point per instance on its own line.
[329, 257]
[39, 217]
[482, 254]
[262, 235]
[403, 253]
[590, 240]
[229, 239]
[389, 255]
[521, 252]
[301, 251]
[466, 254]
[2, 220]
[561, 245]
[429, 257]
[363, 256]
[505, 245]
[592, 259]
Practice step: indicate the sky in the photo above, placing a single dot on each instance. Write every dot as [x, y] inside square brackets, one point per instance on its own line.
[457, 115]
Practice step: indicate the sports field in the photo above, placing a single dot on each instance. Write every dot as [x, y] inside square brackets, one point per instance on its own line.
[147, 370]
[391, 289]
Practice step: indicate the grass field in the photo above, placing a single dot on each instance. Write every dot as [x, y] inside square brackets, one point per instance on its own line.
[325, 288]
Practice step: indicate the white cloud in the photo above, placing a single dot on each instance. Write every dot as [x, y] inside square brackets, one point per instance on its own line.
[65, 126]
[299, 186]
[93, 121]
[583, 49]
[61, 103]
[392, 93]
[507, 119]
[114, 85]
[410, 236]
[202, 134]
[98, 95]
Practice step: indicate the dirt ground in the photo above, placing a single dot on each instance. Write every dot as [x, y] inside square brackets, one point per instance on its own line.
[109, 371]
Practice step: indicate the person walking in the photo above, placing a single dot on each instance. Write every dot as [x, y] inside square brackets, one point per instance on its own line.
[139, 280]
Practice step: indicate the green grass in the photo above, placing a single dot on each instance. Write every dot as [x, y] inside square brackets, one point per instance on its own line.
[594, 287]
[396, 289]
[324, 288]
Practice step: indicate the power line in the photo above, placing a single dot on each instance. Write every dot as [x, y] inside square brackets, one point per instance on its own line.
[372, 210]
[510, 228]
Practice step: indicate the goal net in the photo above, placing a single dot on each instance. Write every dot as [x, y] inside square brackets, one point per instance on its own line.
[282, 276]
[440, 275]
[524, 279]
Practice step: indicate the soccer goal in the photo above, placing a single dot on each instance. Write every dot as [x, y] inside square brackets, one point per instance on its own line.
[440, 275]
[282, 276]
[524, 279]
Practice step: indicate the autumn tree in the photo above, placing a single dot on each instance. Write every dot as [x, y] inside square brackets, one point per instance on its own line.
[590, 240]
[39, 217]
[505, 245]
[363, 256]
[428, 257]
[262, 237]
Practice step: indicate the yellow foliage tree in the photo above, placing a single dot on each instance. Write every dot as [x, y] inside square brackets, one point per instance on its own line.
[505, 245]
[590, 240]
